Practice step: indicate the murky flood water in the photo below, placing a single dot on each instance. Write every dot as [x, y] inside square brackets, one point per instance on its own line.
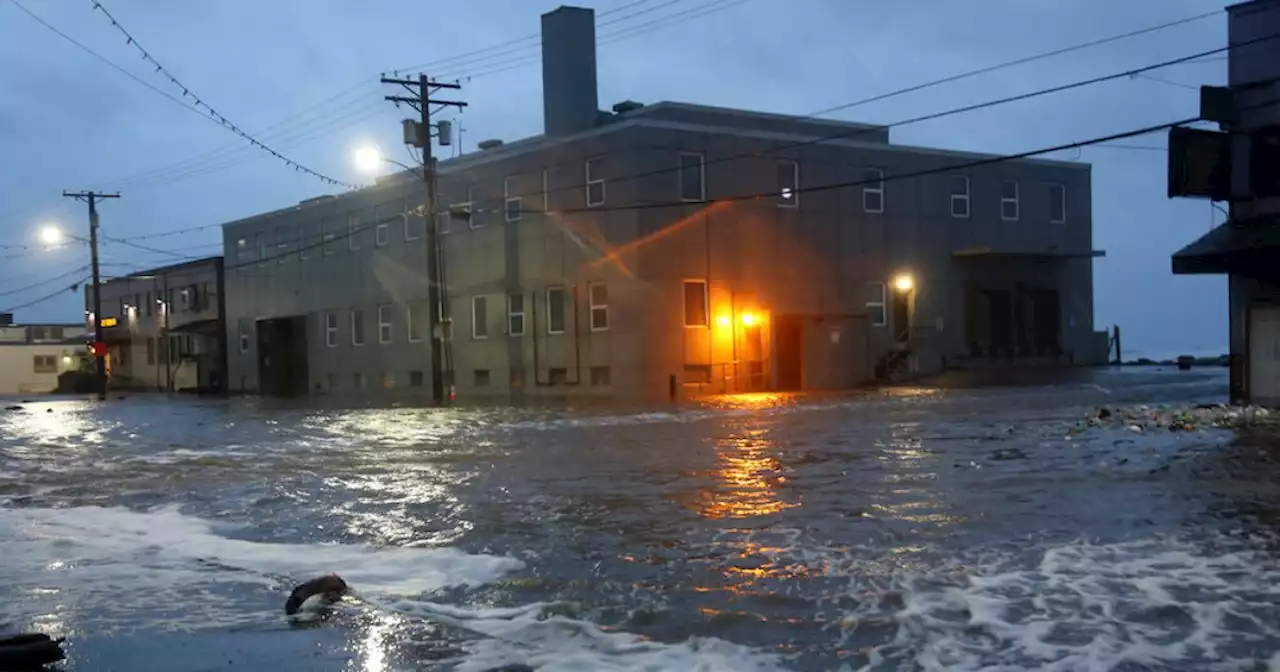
[896, 530]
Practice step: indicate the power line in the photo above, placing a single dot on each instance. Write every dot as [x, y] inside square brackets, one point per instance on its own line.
[213, 113]
[46, 281]
[71, 288]
[927, 117]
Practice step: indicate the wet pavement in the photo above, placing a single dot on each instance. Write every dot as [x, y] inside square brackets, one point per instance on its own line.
[923, 528]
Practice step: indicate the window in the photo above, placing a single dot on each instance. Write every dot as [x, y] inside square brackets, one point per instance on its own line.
[444, 221]
[333, 381]
[515, 314]
[693, 171]
[595, 182]
[304, 242]
[353, 232]
[555, 310]
[480, 317]
[960, 196]
[600, 375]
[873, 190]
[695, 304]
[381, 234]
[413, 314]
[412, 222]
[388, 380]
[476, 220]
[357, 380]
[147, 305]
[331, 329]
[482, 377]
[55, 333]
[151, 351]
[515, 377]
[243, 253]
[384, 323]
[788, 184]
[357, 326]
[1057, 204]
[875, 304]
[244, 336]
[697, 374]
[45, 364]
[598, 299]
[282, 243]
[328, 237]
[558, 375]
[1009, 200]
[415, 379]
[184, 299]
[511, 208]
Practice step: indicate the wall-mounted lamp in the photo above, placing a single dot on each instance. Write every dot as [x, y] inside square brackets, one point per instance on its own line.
[903, 283]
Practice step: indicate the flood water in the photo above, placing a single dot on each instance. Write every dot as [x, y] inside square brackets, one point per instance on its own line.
[904, 529]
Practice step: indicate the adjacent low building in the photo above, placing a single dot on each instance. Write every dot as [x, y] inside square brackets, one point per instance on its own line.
[164, 327]
[32, 356]
[669, 247]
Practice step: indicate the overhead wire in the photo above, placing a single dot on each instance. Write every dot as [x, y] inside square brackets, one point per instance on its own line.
[70, 288]
[211, 111]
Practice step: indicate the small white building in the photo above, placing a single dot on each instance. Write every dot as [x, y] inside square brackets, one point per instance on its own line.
[32, 356]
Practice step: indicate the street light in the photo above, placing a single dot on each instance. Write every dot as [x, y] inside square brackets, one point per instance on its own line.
[51, 235]
[369, 159]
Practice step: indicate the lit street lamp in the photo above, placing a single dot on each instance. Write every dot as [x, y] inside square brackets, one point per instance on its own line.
[51, 235]
[369, 159]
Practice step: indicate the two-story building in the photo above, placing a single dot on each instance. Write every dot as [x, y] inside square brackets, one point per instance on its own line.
[716, 249]
[32, 356]
[164, 327]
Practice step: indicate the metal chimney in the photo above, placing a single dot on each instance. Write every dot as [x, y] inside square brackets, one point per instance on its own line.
[569, 100]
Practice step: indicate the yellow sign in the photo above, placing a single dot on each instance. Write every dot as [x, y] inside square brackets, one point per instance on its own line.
[110, 321]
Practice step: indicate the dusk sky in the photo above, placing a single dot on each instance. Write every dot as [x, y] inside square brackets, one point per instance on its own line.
[301, 75]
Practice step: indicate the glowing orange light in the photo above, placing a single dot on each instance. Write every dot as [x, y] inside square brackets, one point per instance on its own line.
[748, 319]
[723, 321]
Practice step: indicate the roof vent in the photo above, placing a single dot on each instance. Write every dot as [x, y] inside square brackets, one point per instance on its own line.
[627, 106]
[489, 144]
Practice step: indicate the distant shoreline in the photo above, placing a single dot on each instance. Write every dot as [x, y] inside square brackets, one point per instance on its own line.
[1219, 360]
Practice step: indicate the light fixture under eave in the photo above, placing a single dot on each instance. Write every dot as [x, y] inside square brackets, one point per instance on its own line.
[903, 283]
[748, 319]
[723, 321]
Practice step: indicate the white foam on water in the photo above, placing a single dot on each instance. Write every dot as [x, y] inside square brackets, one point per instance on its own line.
[1157, 604]
[121, 564]
[535, 636]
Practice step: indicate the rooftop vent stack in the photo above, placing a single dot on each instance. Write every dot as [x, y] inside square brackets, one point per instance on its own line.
[626, 106]
[569, 98]
[489, 144]
[6, 319]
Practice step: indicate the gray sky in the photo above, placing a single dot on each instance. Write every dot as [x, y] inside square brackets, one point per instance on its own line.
[69, 121]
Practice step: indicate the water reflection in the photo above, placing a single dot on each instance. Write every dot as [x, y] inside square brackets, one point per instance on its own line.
[747, 479]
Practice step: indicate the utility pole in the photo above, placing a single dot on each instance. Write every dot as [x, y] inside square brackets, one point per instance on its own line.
[421, 137]
[91, 197]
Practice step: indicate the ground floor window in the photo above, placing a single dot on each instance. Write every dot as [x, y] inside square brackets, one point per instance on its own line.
[875, 304]
[415, 379]
[600, 375]
[482, 377]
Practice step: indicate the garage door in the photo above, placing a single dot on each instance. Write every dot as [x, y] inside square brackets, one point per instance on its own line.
[1264, 355]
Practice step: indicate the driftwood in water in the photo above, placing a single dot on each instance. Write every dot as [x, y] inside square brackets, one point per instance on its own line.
[29, 651]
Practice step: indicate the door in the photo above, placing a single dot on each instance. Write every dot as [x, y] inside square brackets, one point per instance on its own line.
[1264, 355]
[789, 342]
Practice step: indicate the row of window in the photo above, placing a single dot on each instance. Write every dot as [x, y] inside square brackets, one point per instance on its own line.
[1010, 200]
[599, 376]
[192, 298]
[414, 311]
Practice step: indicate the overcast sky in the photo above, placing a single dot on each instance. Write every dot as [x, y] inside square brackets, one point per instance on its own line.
[70, 121]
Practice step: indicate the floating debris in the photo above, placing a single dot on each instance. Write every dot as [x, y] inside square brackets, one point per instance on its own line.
[1145, 419]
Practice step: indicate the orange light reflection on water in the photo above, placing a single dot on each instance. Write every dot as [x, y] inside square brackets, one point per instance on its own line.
[748, 476]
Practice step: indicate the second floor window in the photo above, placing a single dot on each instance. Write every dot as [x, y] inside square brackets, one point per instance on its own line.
[960, 196]
[511, 200]
[329, 237]
[788, 184]
[873, 190]
[598, 298]
[693, 177]
[1057, 204]
[479, 317]
[357, 326]
[595, 182]
[283, 241]
[385, 314]
[515, 314]
[353, 232]
[1009, 200]
[331, 330]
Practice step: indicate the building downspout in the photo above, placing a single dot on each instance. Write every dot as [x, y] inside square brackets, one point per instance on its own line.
[537, 366]
[577, 340]
[221, 340]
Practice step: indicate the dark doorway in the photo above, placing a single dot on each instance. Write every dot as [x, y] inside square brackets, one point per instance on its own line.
[1001, 322]
[282, 356]
[789, 341]
[1047, 314]
[901, 316]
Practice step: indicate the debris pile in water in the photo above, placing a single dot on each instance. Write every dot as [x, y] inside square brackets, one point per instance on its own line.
[1144, 419]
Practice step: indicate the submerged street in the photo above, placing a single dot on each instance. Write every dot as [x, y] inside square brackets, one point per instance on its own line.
[902, 529]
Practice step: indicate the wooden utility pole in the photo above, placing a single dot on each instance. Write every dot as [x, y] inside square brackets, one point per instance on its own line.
[422, 89]
[91, 197]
